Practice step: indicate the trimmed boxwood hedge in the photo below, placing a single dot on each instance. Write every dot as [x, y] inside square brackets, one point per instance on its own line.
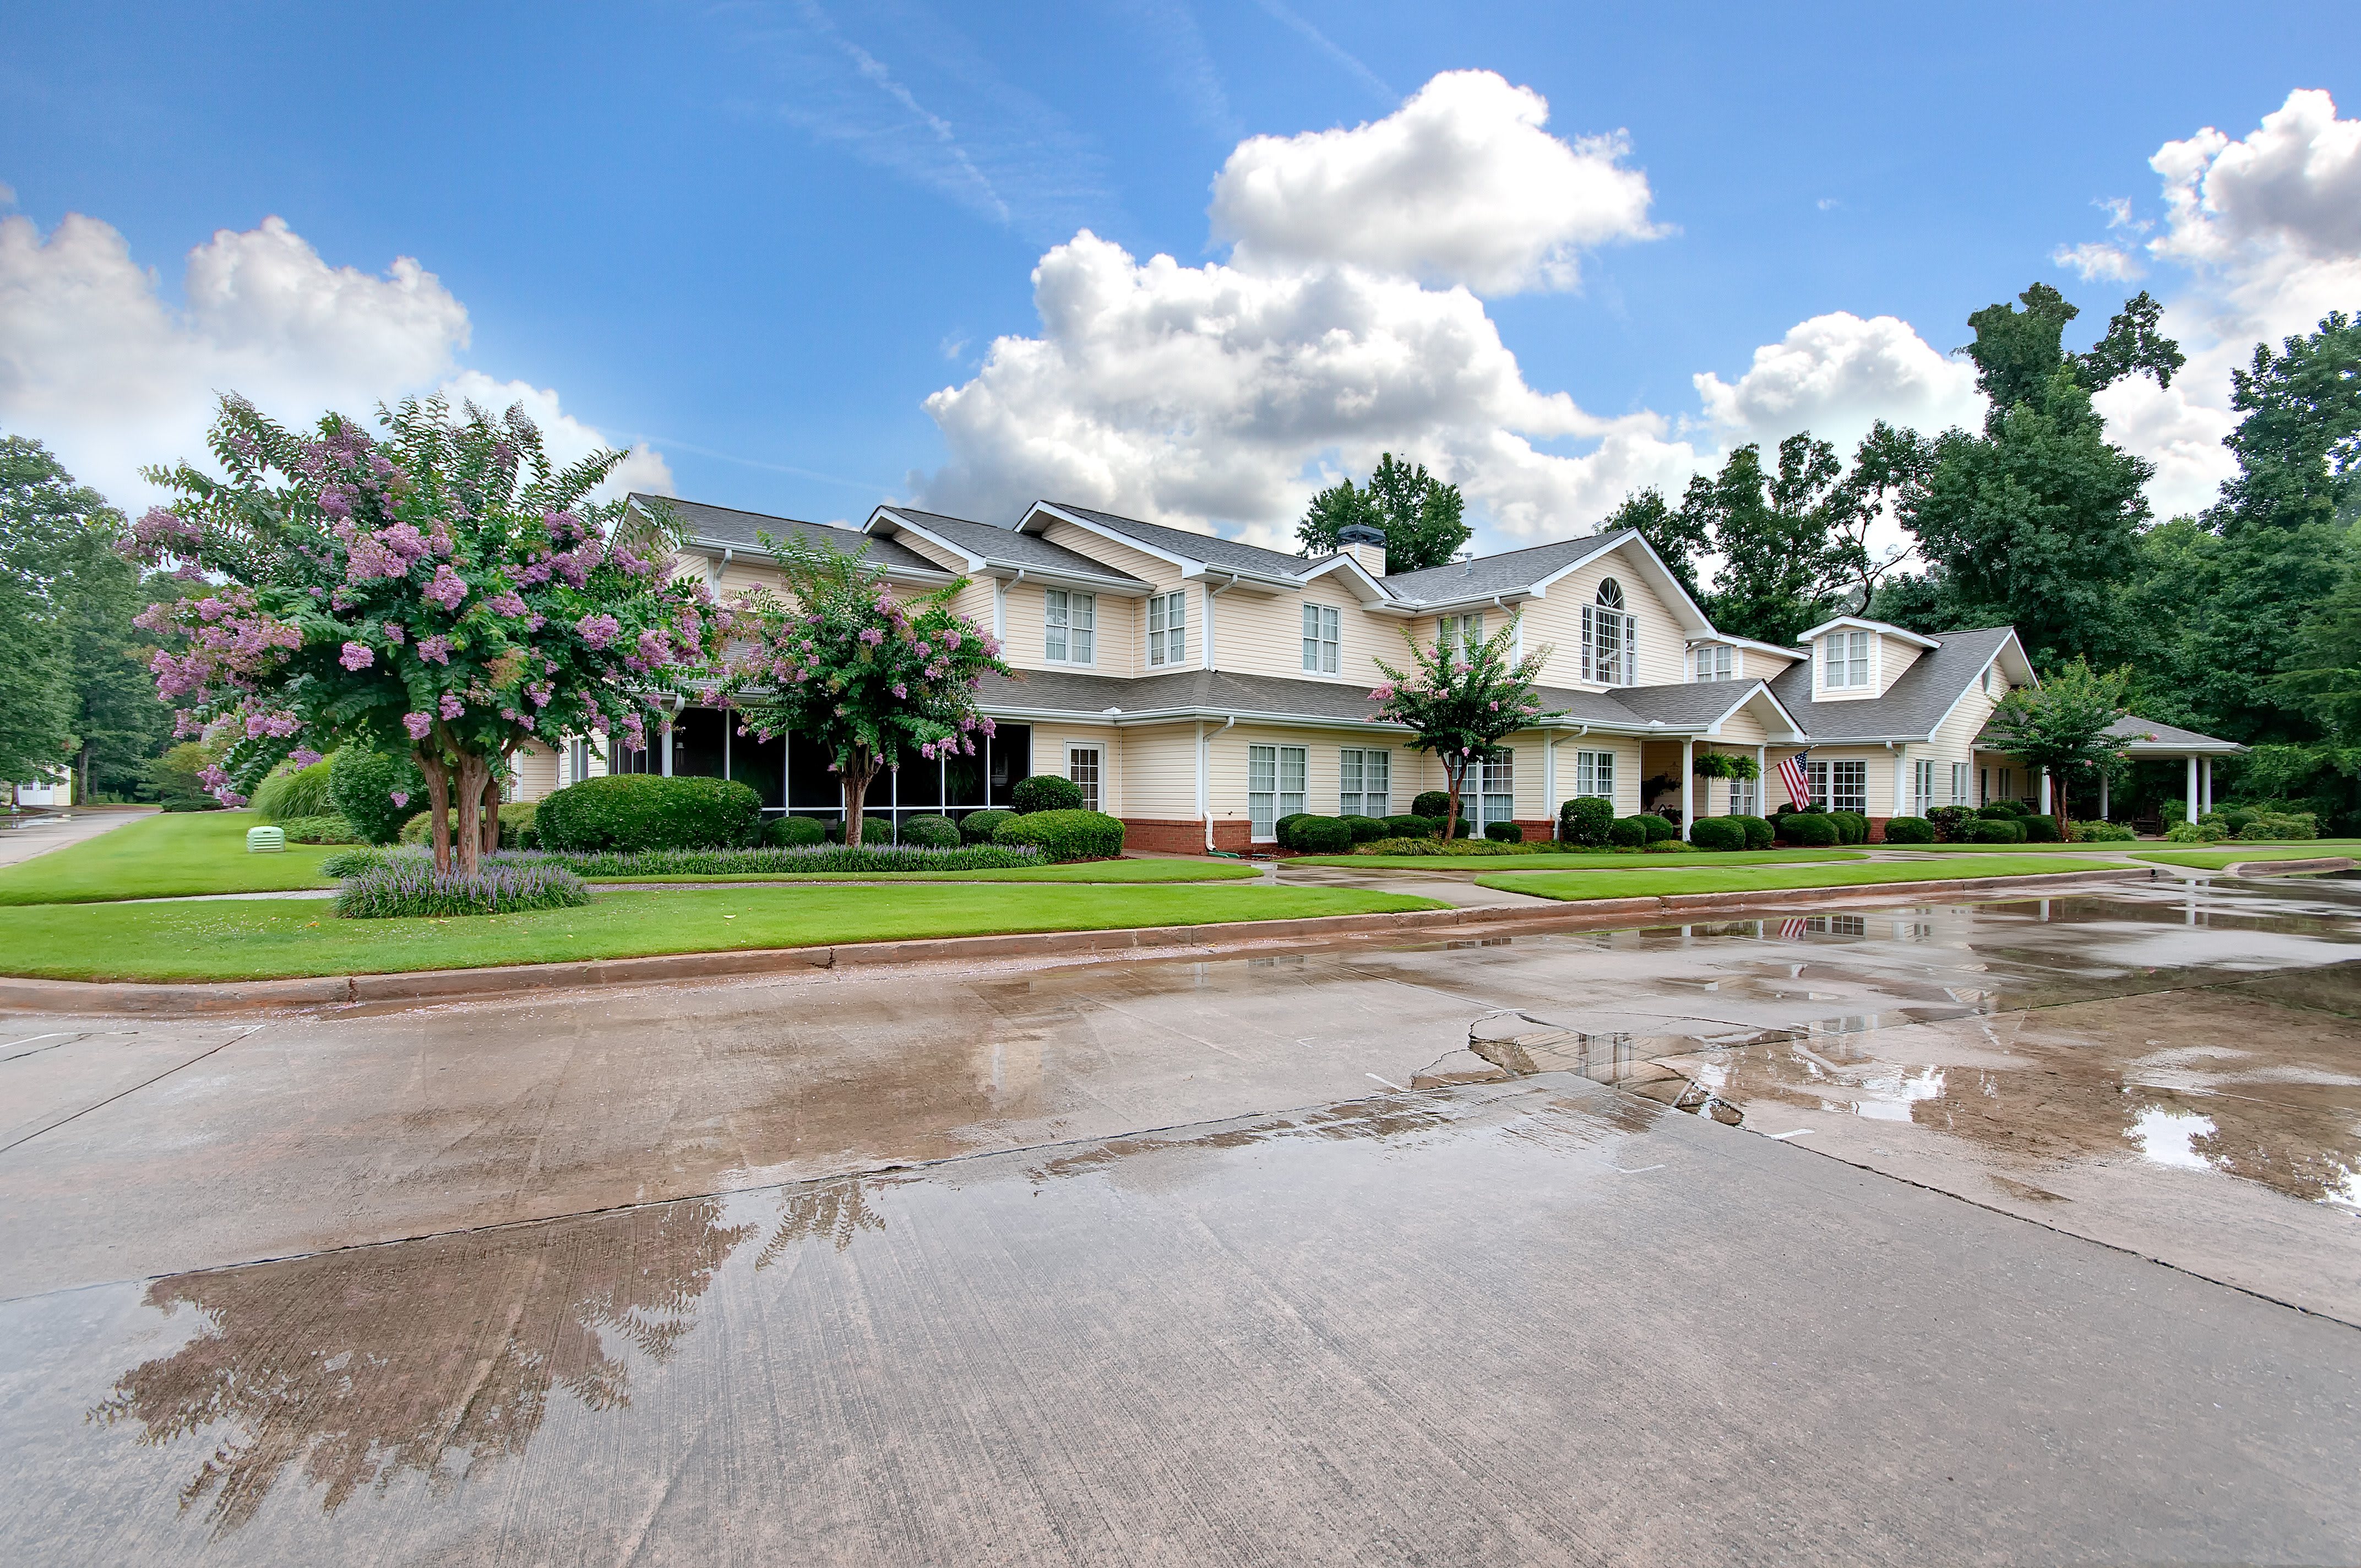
[1910, 830]
[363, 784]
[1808, 829]
[2007, 808]
[1365, 830]
[1657, 829]
[1068, 835]
[1412, 826]
[794, 832]
[1627, 833]
[874, 830]
[1584, 820]
[2040, 829]
[1504, 832]
[1431, 803]
[520, 825]
[1852, 828]
[2002, 830]
[1759, 831]
[646, 811]
[977, 826]
[1323, 835]
[1047, 791]
[1284, 829]
[930, 831]
[1717, 833]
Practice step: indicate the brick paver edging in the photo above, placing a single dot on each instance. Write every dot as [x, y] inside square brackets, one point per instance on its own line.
[26, 996]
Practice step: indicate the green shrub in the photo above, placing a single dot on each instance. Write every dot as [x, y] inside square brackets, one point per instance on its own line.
[1852, 828]
[2002, 808]
[1951, 822]
[2040, 829]
[928, 831]
[646, 811]
[319, 830]
[408, 886]
[1504, 832]
[1627, 833]
[2281, 825]
[1759, 831]
[519, 829]
[1412, 826]
[809, 860]
[1669, 847]
[297, 791]
[2003, 829]
[350, 862]
[1585, 821]
[1047, 791]
[1910, 830]
[1284, 829]
[1066, 835]
[364, 783]
[1431, 803]
[1658, 829]
[2103, 833]
[794, 832]
[1808, 829]
[2186, 832]
[874, 830]
[977, 826]
[1365, 830]
[1717, 833]
[1456, 849]
[1424, 844]
[1324, 834]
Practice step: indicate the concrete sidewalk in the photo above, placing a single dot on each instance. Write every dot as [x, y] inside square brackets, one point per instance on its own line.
[55, 830]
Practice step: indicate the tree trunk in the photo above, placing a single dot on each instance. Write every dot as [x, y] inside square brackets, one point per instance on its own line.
[1455, 780]
[468, 832]
[438, 801]
[857, 777]
[492, 807]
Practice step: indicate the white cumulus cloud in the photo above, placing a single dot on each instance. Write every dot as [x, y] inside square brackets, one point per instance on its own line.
[1461, 184]
[1837, 375]
[95, 363]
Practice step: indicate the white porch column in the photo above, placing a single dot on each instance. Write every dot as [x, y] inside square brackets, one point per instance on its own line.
[2103, 794]
[2045, 791]
[1549, 779]
[1761, 779]
[1901, 782]
[2209, 784]
[1689, 785]
[2192, 791]
[667, 751]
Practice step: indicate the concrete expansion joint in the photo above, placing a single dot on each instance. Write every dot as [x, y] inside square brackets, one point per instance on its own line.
[107, 998]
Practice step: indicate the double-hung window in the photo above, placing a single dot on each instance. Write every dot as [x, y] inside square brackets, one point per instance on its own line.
[1746, 797]
[1497, 790]
[1322, 629]
[1069, 627]
[1959, 785]
[1363, 782]
[1839, 786]
[1460, 633]
[1844, 660]
[1594, 774]
[1715, 662]
[1922, 788]
[1275, 776]
[1167, 629]
[1610, 639]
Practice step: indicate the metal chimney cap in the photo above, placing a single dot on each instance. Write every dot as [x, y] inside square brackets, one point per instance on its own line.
[1361, 534]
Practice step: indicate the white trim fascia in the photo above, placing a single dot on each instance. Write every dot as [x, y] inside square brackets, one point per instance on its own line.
[1668, 586]
[1792, 655]
[1758, 687]
[1191, 567]
[1110, 583]
[1976, 681]
[1862, 624]
[1306, 721]
[934, 576]
[1342, 562]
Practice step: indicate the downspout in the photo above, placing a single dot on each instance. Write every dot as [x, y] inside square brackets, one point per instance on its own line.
[1211, 595]
[1205, 784]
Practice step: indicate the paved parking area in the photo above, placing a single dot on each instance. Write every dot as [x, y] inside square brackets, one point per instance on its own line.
[1887, 1235]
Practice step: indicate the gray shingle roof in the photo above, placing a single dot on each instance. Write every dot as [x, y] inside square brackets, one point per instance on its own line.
[1508, 572]
[1212, 549]
[726, 525]
[996, 543]
[1912, 706]
[2148, 735]
[1688, 706]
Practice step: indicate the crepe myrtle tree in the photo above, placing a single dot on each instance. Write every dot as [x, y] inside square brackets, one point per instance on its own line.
[834, 656]
[442, 586]
[1461, 702]
[2061, 726]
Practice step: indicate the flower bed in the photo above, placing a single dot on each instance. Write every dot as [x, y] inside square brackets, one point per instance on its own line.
[400, 886]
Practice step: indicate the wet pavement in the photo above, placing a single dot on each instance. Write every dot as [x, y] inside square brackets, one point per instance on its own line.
[1943, 1231]
[39, 834]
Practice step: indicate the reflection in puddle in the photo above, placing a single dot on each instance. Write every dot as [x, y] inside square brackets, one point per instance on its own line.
[2170, 1137]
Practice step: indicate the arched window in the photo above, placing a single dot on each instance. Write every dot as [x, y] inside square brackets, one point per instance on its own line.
[1611, 638]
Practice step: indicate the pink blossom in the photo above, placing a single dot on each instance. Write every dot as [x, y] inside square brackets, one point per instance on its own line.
[951, 641]
[508, 601]
[401, 796]
[451, 707]
[418, 724]
[163, 530]
[872, 636]
[303, 756]
[358, 656]
[447, 589]
[900, 690]
[435, 650]
[599, 630]
[394, 633]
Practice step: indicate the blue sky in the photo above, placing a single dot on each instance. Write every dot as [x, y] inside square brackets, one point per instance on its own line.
[757, 237]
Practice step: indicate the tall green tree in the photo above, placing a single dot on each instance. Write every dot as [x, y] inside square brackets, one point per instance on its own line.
[2033, 522]
[42, 515]
[2061, 726]
[1460, 703]
[1422, 516]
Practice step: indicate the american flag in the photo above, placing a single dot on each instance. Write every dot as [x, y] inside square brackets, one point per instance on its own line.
[1792, 774]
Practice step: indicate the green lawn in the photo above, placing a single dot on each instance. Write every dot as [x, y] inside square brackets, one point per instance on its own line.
[1082, 872]
[159, 857]
[1670, 880]
[255, 940]
[2214, 860]
[2012, 848]
[1574, 861]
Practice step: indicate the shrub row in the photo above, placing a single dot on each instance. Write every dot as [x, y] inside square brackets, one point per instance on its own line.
[319, 830]
[646, 811]
[519, 825]
[1428, 845]
[1316, 835]
[812, 860]
[1064, 835]
[363, 784]
[401, 886]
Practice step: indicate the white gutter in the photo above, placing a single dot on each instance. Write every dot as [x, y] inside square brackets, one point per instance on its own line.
[1206, 642]
[1205, 777]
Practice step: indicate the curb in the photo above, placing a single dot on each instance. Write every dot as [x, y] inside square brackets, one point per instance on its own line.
[109, 998]
[2280, 868]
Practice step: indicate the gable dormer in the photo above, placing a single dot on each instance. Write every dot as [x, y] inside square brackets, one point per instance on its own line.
[1853, 658]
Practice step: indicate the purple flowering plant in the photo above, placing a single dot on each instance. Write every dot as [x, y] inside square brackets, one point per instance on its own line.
[1461, 702]
[836, 656]
[426, 588]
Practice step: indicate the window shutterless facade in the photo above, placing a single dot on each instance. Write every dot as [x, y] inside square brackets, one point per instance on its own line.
[1069, 627]
[1594, 774]
[1715, 661]
[1610, 639]
[1167, 629]
[1364, 782]
[1960, 784]
[1321, 632]
[1922, 788]
[1745, 797]
[1496, 791]
[1463, 633]
[1839, 786]
[1275, 776]
[1844, 661]
[1084, 766]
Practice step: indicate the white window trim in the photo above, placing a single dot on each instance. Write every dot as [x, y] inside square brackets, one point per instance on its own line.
[1280, 795]
[1071, 598]
[1585, 775]
[1101, 782]
[1833, 653]
[1159, 639]
[1626, 670]
[1319, 615]
[1368, 756]
[1698, 659]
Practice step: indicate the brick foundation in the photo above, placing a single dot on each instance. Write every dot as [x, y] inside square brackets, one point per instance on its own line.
[1877, 828]
[1165, 836]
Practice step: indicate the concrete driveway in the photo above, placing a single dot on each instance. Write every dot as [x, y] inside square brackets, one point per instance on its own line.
[1887, 1235]
[54, 831]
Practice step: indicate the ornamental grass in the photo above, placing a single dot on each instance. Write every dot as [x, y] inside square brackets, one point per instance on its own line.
[407, 886]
